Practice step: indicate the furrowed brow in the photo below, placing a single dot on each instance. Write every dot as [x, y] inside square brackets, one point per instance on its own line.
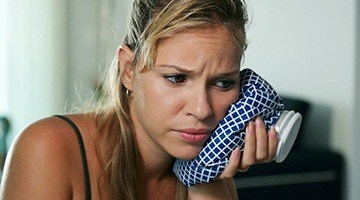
[182, 70]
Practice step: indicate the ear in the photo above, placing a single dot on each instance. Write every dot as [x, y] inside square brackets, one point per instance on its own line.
[126, 57]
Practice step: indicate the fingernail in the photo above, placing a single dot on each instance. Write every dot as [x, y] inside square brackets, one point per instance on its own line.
[272, 132]
[272, 128]
[250, 128]
[259, 122]
[235, 152]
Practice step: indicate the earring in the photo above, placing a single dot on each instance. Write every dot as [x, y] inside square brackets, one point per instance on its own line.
[129, 94]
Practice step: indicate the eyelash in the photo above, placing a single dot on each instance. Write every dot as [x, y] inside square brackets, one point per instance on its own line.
[173, 78]
[228, 84]
[181, 78]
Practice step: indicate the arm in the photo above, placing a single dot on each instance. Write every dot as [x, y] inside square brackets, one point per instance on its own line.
[260, 147]
[35, 167]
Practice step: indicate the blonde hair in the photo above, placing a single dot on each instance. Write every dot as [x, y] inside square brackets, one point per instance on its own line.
[151, 21]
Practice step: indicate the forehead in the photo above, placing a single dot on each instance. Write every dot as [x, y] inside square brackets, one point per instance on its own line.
[211, 34]
[200, 45]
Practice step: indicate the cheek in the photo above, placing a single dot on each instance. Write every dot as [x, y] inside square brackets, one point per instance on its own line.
[155, 102]
[221, 103]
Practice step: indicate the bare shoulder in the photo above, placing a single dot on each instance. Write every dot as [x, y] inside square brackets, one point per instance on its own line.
[39, 162]
[43, 138]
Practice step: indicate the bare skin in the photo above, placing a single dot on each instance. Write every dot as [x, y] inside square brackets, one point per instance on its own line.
[45, 162]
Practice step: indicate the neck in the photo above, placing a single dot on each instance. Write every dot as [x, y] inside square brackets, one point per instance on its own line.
[157, 163]
[159, 181]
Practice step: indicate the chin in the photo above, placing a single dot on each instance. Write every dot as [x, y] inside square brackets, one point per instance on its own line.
[188, 154]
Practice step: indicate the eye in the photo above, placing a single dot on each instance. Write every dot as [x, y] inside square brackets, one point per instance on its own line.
[176, 78]
[225, 84]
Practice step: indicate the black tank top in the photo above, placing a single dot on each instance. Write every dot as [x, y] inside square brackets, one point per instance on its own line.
[83, 156]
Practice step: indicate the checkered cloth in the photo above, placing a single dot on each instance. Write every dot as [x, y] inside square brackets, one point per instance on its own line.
[257, 98]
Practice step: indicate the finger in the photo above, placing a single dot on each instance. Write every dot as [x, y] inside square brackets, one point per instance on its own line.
[273, 143]
[233, 165]
[261, 140]
[249, 153]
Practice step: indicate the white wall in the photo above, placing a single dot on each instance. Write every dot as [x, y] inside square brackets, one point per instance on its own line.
[354, 182]
[4, 29]
[307, 49]
[96, 29]
[37, 61]
[83, 51]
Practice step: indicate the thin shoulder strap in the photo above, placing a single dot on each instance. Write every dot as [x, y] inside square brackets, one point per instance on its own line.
[83, 155]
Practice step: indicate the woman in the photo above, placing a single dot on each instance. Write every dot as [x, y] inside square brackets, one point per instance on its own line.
[174, 77]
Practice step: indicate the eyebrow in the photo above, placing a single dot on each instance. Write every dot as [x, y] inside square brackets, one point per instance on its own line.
[191, 71]
[178, 68]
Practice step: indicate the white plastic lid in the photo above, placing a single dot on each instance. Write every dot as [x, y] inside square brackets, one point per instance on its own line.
[287, 127]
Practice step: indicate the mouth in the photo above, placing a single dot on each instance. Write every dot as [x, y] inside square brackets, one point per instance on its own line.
[194, 135]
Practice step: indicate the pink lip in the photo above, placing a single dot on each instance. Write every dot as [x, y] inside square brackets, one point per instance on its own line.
[194, 135]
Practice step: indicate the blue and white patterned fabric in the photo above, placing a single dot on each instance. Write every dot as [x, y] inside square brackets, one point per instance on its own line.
[257, 98]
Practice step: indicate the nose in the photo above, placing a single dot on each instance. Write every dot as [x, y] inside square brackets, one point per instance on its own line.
[198, 104]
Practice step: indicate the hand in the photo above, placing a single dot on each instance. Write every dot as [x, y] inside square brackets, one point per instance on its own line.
[260, 147]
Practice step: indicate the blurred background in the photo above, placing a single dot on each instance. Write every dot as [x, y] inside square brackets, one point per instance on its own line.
[52, 53]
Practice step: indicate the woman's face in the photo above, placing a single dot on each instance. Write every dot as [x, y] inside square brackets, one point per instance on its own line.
[176, 105]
